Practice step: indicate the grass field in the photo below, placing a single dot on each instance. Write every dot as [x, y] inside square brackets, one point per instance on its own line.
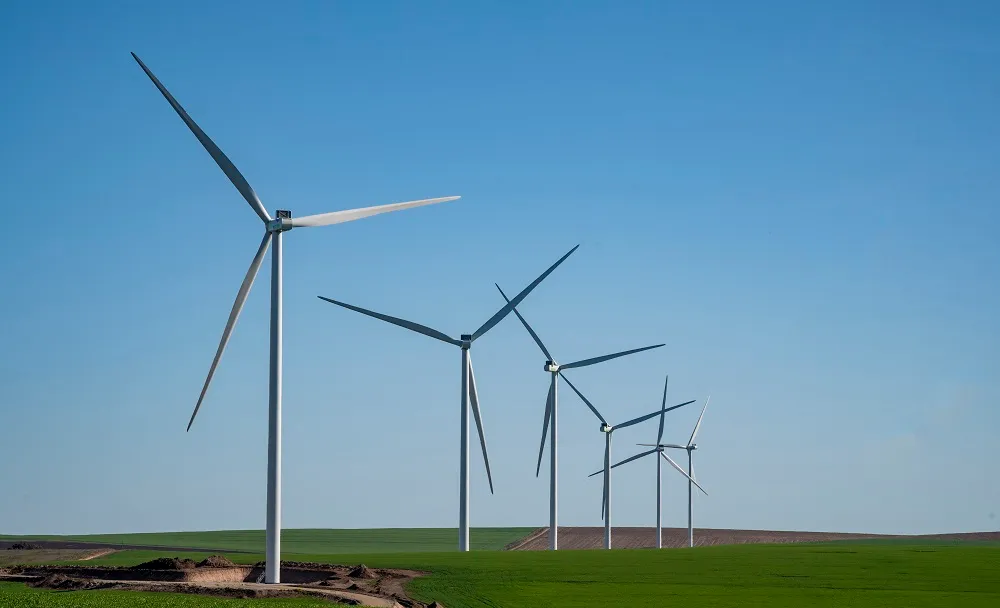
[316, 541]
[747, 575]
[17, 595]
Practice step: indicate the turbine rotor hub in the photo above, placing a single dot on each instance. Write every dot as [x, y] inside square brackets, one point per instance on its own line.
[281, 222]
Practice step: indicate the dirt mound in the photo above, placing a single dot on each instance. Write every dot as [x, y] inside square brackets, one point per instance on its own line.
[216, 561]
[362, 571]
[65, 583]
[24, 547]
[167, 563]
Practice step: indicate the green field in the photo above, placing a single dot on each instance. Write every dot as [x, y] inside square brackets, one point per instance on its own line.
[16, 595]
[317, 541]
[742, 575]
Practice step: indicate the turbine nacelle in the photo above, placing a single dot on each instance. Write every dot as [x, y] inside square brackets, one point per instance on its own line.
[606, 428]
[552, 367]
[466, 340]
[692, 447]
[282, 223]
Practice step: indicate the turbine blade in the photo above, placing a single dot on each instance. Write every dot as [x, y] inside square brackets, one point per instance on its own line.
[420, 329]
[474, 397]
[503, 312]
[648, 416]
[683, 472]
[663, 445]
[607, 476]
[534, 336]
[545, 429]
[217, 155]
[698, 424]
[349, 215]
[234, 314]
[604, 498]
[585, 400]
[594, 360]
[636, 457]
[659, 435]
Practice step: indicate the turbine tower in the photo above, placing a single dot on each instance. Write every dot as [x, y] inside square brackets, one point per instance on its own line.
[608, 430]
[689, 448]
[468, 387]
[551, 410]
[273, 229]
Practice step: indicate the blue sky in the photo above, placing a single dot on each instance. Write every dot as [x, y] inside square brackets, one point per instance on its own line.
[799, 199]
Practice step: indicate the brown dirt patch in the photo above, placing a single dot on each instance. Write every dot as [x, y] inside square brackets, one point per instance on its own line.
[352, 585]
[216, 561]
[167, 563]
[66, 583]
[645, 538]
[362, 571]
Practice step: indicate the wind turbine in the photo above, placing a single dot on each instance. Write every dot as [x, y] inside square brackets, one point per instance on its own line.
[689, 448]
[658, 449]
[468, 387]
[273, 229]
[551, 409]
[608, 430]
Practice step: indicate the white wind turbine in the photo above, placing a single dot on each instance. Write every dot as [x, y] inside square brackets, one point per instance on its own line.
[273, 228]
[658, 449]
[551, 410]
[608, 430]
[468, 387]
[689, 448]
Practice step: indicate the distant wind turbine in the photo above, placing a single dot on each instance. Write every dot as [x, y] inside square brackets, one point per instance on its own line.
[689, 448]
[468, 387]
[551, 410]
[273, 228]
[608, 430]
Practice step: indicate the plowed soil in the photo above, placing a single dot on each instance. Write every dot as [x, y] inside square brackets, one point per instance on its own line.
[645, 538]
[352, 585]
[61, 544]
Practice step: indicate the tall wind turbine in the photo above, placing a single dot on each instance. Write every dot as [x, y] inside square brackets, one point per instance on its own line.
[468, 387]
[608, 430]
[551, 409]
[273, 229]
[690, 447]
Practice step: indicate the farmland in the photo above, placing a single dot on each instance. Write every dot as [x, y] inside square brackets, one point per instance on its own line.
[315, 541]
[838, 574]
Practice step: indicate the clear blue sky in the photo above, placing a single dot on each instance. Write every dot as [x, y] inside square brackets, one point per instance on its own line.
[800, 199]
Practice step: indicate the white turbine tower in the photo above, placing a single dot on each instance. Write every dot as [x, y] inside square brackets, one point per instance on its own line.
[551, 409]
[468, 388]
[689, 448]
[273, 229]
[608, 430]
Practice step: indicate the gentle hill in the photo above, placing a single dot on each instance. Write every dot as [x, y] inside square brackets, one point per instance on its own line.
[771, 576]
[315, 541]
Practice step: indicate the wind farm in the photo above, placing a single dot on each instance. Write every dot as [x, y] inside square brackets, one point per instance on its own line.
[753, 288]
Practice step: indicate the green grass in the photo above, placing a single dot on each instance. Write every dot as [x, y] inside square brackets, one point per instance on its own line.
[744, 575]
[21, 596]
[317, 541]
